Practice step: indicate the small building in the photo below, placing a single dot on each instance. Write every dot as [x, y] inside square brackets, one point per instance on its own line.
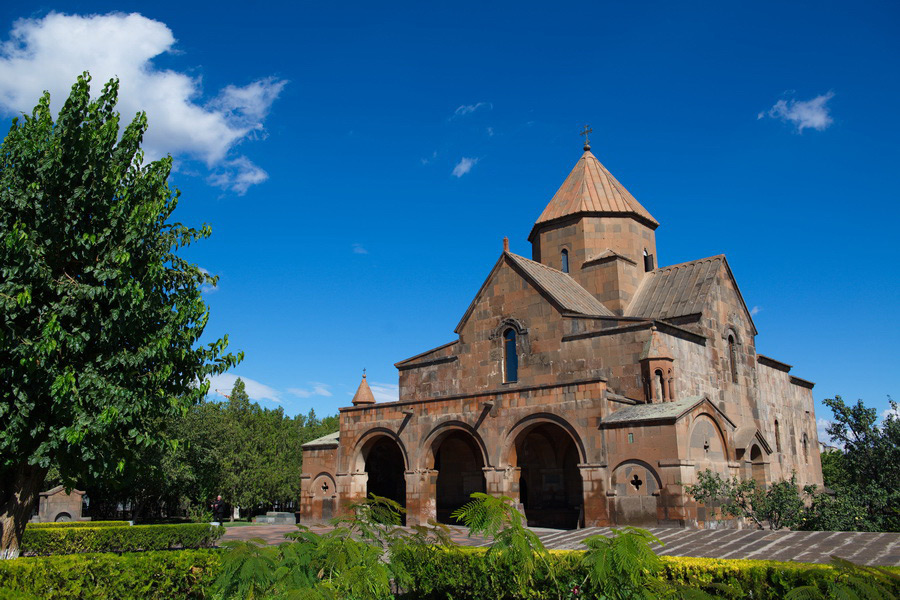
[587, 383]
[57, 505]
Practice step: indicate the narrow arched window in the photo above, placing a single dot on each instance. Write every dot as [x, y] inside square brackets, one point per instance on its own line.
[510, 357]
[805, 443]
[777, 437]
[565, 261]
[732, 358]
[660, 391]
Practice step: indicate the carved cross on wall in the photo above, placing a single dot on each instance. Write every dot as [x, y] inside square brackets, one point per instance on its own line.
[706, 446]
[636, 482]
[325, 486]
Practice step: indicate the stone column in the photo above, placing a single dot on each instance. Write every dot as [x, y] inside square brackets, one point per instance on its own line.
[421, 501]
[594, 478]
[351, 489]
[677, 508]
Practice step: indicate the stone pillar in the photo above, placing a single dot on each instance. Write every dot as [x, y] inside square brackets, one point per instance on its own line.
[594, 478]
[421, 500]
[675, 507]
[351, 489]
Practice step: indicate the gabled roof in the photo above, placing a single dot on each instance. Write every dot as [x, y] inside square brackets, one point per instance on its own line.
[660, 411]
[681, 290]
[326, 441]
[559, 288]
[675, 291]
[562, 289]
[590, 188]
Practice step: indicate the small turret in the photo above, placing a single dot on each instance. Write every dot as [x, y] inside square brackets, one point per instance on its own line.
[363, 393]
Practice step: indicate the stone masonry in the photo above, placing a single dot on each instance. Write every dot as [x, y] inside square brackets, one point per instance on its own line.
[587, 384]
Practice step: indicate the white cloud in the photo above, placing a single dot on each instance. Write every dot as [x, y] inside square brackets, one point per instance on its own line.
[316, 389]
[890, 411]
[429, 160]
[490, 131]
[359, 249]
[821, 426]
[208, 288]
[464, 166]
[49, 53]
[755, 311]
[803, 114]
[467, 109]
[385, 392]
[222, 384]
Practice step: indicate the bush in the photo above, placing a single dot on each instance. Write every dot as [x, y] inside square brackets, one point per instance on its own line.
[150, 575]
[78, 524]
[69, 540]
[465, 573]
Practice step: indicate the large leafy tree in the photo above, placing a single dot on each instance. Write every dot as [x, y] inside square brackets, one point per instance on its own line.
[100, 318]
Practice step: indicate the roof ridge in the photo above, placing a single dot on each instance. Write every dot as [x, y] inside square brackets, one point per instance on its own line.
[686, 263]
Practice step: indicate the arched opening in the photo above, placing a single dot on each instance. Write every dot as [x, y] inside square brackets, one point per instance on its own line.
[550, 486]
[777, 437]
[63, 517]
[732, 358]
[460, 466]
[510, 356]
[757, 467]
[637, 489]
[565, 261]
[385, 467]
[805, 443]
[659, 385]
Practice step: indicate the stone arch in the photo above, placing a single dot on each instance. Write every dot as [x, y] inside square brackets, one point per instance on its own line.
[364, 444]
[757, 470]
[381, 455]
[637, 487]
[707, 445]
[324, 495]
[62, 517]
[509, 323]
[508, 450]
[547, 452]
[458, 454]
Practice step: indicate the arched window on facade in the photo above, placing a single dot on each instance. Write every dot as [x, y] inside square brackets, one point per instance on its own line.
[777, 437]
[565, 261]
[732, 358]
[805, 443]
[659, 383]
[510, 357]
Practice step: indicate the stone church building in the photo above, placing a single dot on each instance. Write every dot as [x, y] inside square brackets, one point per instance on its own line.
[587, 383]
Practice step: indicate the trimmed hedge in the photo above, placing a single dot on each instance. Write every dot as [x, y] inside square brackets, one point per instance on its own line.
[78, 524]
[70, 540]
[151, 575]
[433, 573]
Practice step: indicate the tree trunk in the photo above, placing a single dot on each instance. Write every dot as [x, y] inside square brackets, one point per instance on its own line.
[18, 495]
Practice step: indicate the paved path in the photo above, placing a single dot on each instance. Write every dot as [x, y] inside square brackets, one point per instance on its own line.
[803, 546]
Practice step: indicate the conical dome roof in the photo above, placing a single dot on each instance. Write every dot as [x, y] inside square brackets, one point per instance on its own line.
[591, 188]
[363, 393]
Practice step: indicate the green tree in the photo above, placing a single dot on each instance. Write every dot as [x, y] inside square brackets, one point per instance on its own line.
[865, 468]
[100, 318]
[780, 505]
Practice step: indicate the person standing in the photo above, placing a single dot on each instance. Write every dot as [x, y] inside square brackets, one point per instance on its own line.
[219, 509]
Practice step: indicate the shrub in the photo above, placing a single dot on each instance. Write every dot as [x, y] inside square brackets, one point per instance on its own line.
[69, 540]
[77, 524]
[138, 576]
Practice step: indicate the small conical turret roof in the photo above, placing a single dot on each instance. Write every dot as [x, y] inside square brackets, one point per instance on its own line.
[591, 188]
[363, 393]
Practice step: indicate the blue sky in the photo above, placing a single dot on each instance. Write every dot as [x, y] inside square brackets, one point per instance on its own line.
[360, 164]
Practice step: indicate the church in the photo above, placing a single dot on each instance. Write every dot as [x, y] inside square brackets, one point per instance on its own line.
[587, 383]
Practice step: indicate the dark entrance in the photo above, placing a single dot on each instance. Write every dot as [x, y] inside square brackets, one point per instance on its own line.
[385, 467]
[550, 483]
[459, 464]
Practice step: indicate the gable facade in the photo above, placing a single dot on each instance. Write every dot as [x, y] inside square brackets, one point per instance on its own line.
[590, 397]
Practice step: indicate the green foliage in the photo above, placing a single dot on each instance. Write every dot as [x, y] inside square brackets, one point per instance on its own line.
[861, 470]
[69, 540]
[139, 576]
[100, 317]
[623, 565]
[780, 505]
[65, 524]
[851, 581]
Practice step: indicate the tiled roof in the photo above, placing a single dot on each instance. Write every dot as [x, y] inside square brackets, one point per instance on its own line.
[363, 393]
[660, 411]
[675, 291]
[564, 290]
[591, 188]
[326, 440]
